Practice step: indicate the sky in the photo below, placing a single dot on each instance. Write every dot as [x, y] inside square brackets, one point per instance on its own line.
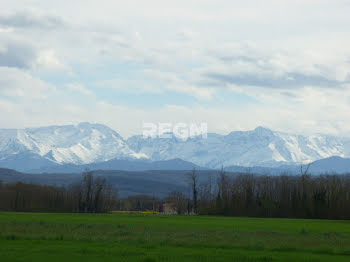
[234, 65]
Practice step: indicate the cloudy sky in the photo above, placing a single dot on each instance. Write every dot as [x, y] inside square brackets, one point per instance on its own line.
[233, 64]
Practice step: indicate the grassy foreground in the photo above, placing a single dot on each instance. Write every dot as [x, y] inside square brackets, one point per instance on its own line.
[136, 237]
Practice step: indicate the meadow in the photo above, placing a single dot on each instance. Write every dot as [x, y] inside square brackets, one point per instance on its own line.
[153, 237]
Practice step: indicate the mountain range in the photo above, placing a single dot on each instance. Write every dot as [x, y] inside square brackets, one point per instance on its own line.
[96, 146]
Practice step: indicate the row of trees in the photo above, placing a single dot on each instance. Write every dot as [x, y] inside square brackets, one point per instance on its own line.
[92, 194]
[304, 196]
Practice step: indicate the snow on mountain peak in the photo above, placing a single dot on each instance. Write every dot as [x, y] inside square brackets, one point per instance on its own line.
[78, 144]
[89, 143]
[258, 147]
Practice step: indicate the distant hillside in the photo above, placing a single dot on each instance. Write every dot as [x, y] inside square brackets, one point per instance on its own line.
[26, 161]
[157, 182]
[331, 165]
[116, 164]
[150, 178]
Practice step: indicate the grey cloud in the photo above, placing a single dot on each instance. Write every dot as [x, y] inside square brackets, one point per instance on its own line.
[237, 58]
[289, 94]
[28, 20]
[15, 54]
[249, 67]
[291, 80]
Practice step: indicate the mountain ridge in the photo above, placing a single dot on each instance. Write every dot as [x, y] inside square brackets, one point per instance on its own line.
[88, 144]
[258, 147]
[78, 144]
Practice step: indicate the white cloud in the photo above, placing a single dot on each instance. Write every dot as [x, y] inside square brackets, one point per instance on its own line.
[78, 88]
[19, 84]
[132, 86]
[173, 82]
[292, 57]
[48, 60]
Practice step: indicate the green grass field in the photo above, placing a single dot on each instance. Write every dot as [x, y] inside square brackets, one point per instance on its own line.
[115, 237]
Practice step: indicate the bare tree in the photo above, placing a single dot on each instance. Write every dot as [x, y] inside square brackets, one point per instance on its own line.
[304, 170]
[193, 182]
[88, 189]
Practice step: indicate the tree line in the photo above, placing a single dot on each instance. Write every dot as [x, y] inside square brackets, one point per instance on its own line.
[303, 196]
[91, 195]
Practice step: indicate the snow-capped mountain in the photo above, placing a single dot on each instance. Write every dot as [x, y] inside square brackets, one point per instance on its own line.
[87, 143]
[259, 147]
[79, 144]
